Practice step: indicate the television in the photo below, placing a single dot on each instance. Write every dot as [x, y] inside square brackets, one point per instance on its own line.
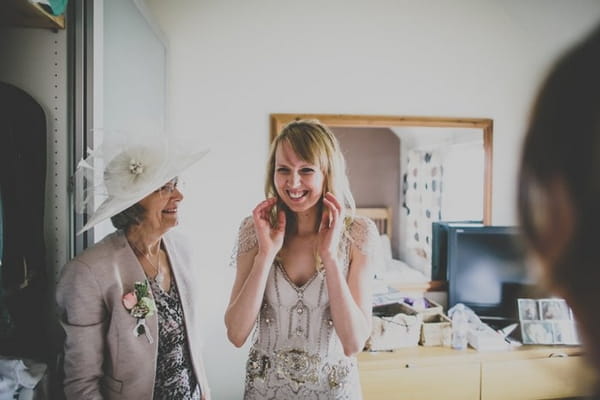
[439, 246]
[486, 270]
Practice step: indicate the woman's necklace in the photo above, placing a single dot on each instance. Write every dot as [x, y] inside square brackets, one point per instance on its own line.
[159, 277]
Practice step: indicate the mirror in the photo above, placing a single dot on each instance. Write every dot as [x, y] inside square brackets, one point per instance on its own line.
[406, 172]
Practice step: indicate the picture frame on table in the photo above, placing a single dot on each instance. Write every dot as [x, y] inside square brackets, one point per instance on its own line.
[528, 309]
[554, 309]
[537, 332]
[564, 332]
[547, 321]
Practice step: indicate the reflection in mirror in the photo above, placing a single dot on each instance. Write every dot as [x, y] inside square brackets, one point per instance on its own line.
[422, 174]
[406, 173]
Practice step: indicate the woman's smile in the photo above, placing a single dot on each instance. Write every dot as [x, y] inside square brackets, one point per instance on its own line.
[296, 195]
[172, 210]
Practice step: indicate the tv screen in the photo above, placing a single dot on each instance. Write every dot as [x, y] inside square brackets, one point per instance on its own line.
[486, 269]
[439, 246]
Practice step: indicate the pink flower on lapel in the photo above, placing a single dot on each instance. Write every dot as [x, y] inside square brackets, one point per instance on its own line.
[138, 302]
[130, 300]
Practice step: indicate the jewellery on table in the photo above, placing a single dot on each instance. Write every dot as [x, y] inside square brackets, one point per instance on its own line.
[159, 277]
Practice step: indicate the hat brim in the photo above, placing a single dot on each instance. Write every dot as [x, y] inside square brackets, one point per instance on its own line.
[114, 205]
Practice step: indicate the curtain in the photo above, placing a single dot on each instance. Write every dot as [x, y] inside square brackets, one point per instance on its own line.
[422, 189]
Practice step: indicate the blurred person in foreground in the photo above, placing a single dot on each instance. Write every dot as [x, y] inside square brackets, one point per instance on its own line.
[559, 186]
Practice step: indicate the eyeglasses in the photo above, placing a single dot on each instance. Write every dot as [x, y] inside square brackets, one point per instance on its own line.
[168, 187]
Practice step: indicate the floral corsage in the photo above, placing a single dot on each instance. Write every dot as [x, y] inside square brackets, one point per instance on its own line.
[140, 305]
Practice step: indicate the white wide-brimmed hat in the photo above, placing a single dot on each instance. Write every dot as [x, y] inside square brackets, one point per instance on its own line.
[136, 170]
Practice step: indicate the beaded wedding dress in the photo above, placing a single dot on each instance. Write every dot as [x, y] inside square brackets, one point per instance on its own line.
[296, 353]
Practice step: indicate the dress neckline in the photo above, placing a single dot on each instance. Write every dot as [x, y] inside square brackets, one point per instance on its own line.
[167, 292]
[296, 287]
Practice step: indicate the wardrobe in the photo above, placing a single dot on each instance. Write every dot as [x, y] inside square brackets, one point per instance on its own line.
[34, 170]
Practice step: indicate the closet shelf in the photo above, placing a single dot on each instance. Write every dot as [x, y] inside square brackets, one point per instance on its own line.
[26, 14]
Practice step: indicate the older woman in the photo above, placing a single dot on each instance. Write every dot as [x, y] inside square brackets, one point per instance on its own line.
[127, 302]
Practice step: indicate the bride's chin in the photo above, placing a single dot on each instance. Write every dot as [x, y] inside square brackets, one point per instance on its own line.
[298, 208]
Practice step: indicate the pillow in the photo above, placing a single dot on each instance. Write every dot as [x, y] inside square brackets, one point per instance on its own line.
[386, 249]
[381, 259]
[401, 271]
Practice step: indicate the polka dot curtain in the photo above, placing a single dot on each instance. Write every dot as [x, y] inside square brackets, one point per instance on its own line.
[422, 189]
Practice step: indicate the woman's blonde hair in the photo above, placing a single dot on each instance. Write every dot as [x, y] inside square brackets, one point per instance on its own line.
[313, 142]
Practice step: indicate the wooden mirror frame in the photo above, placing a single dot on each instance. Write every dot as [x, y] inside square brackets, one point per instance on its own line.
[278, 121]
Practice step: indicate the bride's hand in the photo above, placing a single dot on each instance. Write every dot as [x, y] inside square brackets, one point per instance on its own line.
[270, 238]
[330, 228]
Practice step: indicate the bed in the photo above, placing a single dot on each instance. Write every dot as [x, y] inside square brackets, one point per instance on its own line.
[388, 270]
[382, 217]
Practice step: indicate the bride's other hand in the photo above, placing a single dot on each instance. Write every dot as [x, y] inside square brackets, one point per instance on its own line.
[270, 238]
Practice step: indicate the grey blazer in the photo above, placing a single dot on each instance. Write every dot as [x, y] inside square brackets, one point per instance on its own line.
[103, 358]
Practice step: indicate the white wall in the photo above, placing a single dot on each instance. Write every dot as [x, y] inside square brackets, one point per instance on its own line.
[231, 63]
[129, 36]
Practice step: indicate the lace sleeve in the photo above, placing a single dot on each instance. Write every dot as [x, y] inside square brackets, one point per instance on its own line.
[246, 240]
[364, 235]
